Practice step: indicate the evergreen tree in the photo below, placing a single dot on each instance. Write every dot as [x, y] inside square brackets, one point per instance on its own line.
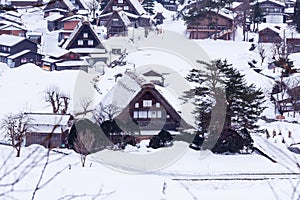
[103, 4]
[297, 15]
[257, 16]
[222, 113]
[148, 6]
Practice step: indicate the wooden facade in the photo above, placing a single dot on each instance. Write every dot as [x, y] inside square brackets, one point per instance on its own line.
[48, 129]
[117, 24]
[11, 29]
[23, 57]
[293, 45]
[84, 40]
[151, 111]
[206, 28]
[269, 35]
[273, 11]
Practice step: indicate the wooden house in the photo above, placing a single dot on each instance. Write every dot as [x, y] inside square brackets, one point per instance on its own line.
[117, 24]
[62, 7]
[273, 10]
[23, 57]
[64, 60]
[159, 18]
[293, 45]
[15, 47]
[47, 129]
[150, 106]
[26, 3]
[84, 40]
[206, 27]
[269, 34]
[132, 8]
[13, 29]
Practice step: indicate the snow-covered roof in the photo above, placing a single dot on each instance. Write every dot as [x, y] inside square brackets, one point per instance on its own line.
[270, 27]
[227, 13]
[12, 26]
[19, 54]
[272, 1]
[48, 119]
[129, 86]
[58, 52]
[73, 17]
[140, 9]
[10, 40]
[14, 13]
[72, 63]
[124, 18]
[54, 17]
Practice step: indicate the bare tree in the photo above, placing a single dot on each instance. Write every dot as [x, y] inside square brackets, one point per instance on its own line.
[105, 112]
[84, 144]
[85, 104]
[262, 52]
[16, 126]
[93, 6]
[57, 99]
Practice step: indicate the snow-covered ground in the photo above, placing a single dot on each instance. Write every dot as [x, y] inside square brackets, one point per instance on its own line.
[176, 172]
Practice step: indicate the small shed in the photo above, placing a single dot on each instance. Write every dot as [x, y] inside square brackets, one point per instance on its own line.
[48, 129]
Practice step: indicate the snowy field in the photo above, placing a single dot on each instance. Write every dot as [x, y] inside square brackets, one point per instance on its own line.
[176, 172]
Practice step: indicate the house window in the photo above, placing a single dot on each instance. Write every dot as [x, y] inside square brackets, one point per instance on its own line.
[158, 114]
[90, 42]
[4, 48]
[120, 1]
[85, 35]
[143, 114]
[157, 105]
[23, 60]
[80, 42]
[115, 19]
[135, 114]
[147, 103]
[151, 114]
[8, 49]
[114, 7]
[136, 105]
[126, 8]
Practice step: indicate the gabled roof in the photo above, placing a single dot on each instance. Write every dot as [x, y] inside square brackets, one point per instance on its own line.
[67, 3]
[135, 4]
[271, 28]
[78, 29]
[12, 27]
[49, 119]
[10, 40]
[152, 73]
[131, 86]
[121, 15]
[21, 53]
[73, 17]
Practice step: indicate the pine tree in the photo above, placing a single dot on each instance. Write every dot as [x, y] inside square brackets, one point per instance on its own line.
[257, 15]
[223, 101]
[297, 15]
[148, 6]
